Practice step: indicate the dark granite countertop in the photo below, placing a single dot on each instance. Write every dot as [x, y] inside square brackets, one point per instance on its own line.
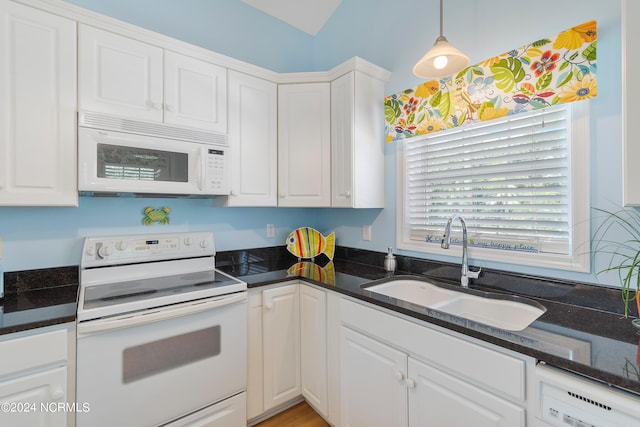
[38, 298]
[582, 331]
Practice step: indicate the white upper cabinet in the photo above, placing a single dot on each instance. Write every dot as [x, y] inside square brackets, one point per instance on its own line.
[37, 108]
[253, 139]
[119, 75]
[126, 77]
[195, 93]
[357, 141]
[304, 145]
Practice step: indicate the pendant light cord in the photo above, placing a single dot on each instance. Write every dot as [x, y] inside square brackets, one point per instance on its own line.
[441, 19]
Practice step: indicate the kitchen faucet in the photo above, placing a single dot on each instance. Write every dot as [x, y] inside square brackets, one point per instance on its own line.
[446, 240]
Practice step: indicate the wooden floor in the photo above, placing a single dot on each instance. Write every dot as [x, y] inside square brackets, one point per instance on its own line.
[300, 415]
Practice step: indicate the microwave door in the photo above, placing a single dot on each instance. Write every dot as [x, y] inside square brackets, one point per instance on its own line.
[121, 162]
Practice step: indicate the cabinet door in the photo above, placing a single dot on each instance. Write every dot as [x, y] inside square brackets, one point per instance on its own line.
[281, 345]
[304, 127]
[255, 381]
[439, 399]
[313, 347]
[253, 139]
[372, 389]
[119, 75]
[357, 141]
[342, 124]
[195, 93]
[37, 108]
[32, 400]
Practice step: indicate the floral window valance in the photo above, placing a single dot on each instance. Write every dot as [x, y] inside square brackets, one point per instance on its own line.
[546, 72]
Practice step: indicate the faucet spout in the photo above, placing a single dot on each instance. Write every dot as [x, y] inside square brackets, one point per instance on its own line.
[446, 241]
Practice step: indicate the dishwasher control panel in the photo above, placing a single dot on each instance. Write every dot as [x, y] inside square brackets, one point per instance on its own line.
[569, 400]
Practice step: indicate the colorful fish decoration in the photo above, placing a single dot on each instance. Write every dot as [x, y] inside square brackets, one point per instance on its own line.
[308, 243]
[313, 271]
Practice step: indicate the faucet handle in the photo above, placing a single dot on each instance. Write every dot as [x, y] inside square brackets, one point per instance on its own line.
[474, 274]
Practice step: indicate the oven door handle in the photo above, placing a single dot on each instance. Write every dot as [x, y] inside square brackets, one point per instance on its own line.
[156, 315]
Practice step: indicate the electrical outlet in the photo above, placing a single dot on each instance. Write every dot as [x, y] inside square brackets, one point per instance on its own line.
[366, 232]
[271, 230]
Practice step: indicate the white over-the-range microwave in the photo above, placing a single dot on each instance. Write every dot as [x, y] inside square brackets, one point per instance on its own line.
[119, 156]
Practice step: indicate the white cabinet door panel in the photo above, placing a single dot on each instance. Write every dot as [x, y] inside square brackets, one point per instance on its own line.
[119, 75]
[281, 345]
[372, 388]
[37, 108]
[304, 145]
[357, 141]
[439, 399]
[195, 93]
[255, 376]
[253, 139]
[32, 400]
[313, 347]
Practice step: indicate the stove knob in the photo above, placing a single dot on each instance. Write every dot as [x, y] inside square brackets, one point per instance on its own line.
[91, 251]
[188, 241]
[121, 245]
[204, 243]
[104, 251]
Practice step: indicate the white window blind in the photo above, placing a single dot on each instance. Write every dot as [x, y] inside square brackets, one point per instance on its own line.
[509, 178]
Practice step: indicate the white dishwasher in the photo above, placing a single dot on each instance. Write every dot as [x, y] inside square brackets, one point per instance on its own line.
[567, 399]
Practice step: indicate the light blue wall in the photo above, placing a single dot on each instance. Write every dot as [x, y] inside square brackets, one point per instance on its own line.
[229, 27]
[391, 34]
[395, 37]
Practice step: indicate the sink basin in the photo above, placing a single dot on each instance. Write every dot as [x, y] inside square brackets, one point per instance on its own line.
[497, 310]
[413, 291]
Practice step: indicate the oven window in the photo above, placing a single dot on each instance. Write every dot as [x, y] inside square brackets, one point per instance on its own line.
[159, 356]
[140, 164]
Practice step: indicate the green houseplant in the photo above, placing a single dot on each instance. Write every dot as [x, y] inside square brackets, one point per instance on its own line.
[624, 252]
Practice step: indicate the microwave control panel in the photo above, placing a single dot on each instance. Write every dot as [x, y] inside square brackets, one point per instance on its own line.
[216, 176]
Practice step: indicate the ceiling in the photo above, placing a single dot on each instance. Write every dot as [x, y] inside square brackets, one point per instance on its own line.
[306, 15]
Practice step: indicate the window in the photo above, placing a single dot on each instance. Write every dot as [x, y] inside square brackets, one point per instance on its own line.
[521, 183]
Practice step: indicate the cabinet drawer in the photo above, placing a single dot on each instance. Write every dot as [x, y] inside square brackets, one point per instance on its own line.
[32, 351]
[487, 367]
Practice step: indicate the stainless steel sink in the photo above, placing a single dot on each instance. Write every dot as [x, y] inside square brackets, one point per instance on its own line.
[500, 311]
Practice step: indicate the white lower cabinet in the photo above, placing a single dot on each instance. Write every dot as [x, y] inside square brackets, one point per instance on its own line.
[395, 372]
[34, 380]
[313, 347]
[359, 365]
[274, 348]
[32, 400]
[371, 382]
[439, 399]
[281, 344]
[287, 348]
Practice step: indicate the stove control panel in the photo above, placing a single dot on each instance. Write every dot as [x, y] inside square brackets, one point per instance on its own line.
[129, 249]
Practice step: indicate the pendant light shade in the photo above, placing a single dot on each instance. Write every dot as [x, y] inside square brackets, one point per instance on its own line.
[442, 59]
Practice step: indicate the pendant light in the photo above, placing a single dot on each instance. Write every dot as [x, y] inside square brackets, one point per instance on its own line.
[442, 59]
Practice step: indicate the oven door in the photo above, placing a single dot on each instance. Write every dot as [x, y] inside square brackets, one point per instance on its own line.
[152, 367]
[119, 162]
